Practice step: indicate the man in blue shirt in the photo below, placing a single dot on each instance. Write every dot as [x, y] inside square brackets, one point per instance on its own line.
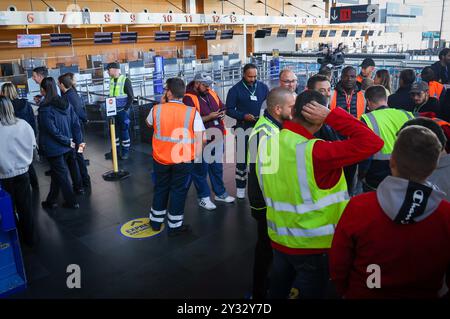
[243, 103]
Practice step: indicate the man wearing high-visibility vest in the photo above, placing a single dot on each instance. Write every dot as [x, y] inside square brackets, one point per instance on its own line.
[177, 141]
[200, 95]
[348, 96]
[386, 123]
[435, 89]
[280, 102]
[303, 184]
[120, 87]
[367, 68]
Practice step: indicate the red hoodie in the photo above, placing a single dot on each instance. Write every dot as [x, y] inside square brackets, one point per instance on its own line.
[413, 256]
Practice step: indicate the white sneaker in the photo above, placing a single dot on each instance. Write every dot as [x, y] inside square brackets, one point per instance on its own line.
[240, 193]
[206, 203]
[225, 198]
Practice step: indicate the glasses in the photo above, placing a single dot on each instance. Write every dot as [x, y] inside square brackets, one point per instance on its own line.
[289, 81]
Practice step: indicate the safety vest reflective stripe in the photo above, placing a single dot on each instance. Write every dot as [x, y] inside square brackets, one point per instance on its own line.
[301, 232]
[360, 103]
[157, 133]
[309, 207]
[385, 153]
[435, 89]
[173, 137]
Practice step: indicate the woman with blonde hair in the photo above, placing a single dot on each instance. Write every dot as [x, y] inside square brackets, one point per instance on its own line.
[24, 111]
[17, 144]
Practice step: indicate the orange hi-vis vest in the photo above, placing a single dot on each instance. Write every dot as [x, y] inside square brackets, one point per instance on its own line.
[196, 102]
[359, 78]
[360, 104]
[173, 136]
[435, 89]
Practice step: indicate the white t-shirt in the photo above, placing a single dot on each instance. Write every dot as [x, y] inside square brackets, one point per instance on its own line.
[198, 122]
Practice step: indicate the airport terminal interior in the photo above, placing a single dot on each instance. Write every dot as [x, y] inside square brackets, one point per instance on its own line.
[104, 235]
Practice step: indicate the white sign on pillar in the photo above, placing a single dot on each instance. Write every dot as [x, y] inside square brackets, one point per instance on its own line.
[111, 108]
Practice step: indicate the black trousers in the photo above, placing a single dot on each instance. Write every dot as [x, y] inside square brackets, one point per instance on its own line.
[263, 256]
[33, 176]
[60, 179]
[18, 188]
[78, 170]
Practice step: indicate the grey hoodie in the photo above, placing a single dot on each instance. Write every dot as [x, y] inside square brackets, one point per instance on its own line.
[406, 202]
[441, 176]
[17, 143]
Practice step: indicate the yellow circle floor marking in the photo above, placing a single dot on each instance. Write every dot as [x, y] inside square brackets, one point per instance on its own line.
[139, 228]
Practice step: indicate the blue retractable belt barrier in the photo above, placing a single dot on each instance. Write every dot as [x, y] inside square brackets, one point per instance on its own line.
[12, 272]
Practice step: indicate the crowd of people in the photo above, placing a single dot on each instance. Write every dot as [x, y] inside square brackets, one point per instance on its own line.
[345, 183]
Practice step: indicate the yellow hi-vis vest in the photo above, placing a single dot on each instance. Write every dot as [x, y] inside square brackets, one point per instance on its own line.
[299, 213]
[117, 90]
[386, 123]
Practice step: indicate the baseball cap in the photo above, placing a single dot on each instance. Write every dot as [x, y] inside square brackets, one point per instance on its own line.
[367, 62]
[113, 65]
[419, 87]
[203, 78]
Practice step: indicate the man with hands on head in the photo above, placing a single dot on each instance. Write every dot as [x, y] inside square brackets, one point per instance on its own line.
[307, 193]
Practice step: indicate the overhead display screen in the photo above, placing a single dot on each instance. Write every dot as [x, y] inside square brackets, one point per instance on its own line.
[182, 35]
[162, 36]
[29, 41]
[210, 35]
[128, 37]
[60, 39]
[226, 34]
[103, 37]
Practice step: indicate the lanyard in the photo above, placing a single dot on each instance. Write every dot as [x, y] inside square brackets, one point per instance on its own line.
[348, 100]
[251, 93]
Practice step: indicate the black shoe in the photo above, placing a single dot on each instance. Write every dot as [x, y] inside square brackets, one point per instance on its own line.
[124, 156]
[71, 206]
[108, 156]
[155, 228]
[184, 229]
[48, 173]
[47, 205]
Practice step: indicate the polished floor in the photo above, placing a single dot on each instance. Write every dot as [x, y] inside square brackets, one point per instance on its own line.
[214, 261]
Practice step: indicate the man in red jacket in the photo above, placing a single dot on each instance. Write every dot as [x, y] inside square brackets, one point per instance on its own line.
[395, 242]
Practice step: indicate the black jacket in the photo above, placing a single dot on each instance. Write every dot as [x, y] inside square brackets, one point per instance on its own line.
[58, 124]
[401, 99]
[432, 105]
[24, 111]
[441, 74]
[78, 106]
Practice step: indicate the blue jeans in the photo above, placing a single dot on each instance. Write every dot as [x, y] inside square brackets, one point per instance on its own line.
[171, 182]
[215, 171]
[307, 273]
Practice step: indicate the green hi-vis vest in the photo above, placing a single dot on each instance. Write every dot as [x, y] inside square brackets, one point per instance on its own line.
[263, 127]
[117, 89]
[386, 123]
[299, 213]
